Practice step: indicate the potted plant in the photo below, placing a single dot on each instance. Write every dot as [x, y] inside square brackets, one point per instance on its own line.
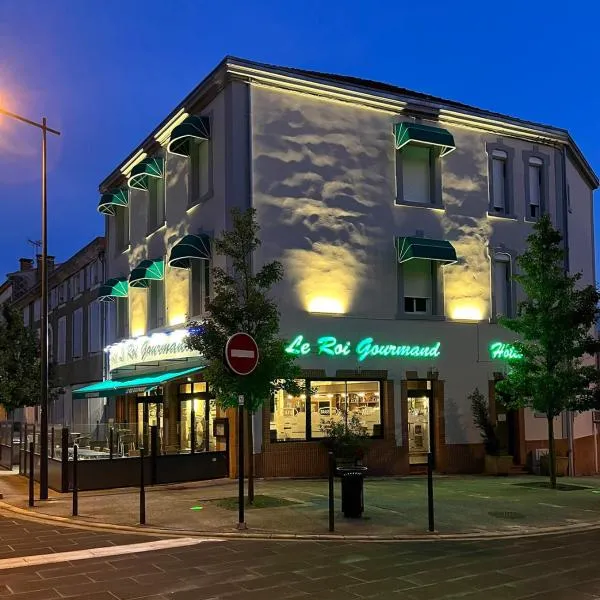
[347, 438]
[497, 460]
[562, 465]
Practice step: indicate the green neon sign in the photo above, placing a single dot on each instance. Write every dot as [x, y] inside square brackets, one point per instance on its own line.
[329, 345]
[504, 351]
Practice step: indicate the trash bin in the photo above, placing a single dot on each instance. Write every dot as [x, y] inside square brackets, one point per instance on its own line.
[352, 491]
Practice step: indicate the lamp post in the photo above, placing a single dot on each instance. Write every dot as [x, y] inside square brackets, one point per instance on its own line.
[44, 316]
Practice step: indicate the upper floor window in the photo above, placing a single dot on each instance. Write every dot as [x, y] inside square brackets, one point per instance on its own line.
[53, 297]
[502, 287]
[26, 313]
[499, 183]
[416, 174]
[199, 185]
[199, 287]
[77, 334]
[156, 203]
[94, 337]
[61, 346]
[37, 306]
[535, 168]
[63, 292]
[156, 304]
[122, 318]
[417, 285]
[121, 228]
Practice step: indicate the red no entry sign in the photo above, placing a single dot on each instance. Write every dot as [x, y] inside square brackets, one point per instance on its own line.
[241, 353]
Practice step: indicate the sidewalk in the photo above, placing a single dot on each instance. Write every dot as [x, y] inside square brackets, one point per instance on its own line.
[464, 505]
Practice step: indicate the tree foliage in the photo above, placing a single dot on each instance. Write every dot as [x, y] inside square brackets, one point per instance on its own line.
[555, 324]
[20, 364]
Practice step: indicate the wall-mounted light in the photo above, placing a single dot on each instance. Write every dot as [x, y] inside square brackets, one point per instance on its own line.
[326, 304]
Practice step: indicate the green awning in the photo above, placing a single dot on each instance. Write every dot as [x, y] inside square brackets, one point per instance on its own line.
[415, 247]
[130, 385]
[193, 128]
[149, 167]
[406, 133]
[190, 247]
[147, 271]
[118, 287]
[110, 201]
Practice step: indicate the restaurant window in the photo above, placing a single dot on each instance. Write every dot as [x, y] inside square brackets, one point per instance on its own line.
[199, 171]
[156, 203]
[156, 304]
[199, 287]
[303, 417]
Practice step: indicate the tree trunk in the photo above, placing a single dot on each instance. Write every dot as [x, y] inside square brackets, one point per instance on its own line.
[250, 456]
[552, 451]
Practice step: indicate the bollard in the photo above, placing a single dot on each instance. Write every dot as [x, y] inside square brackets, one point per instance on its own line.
[331, 502]
[110, 443]
[75, 482]
[430, 491]
[142, 490]
[31, 473]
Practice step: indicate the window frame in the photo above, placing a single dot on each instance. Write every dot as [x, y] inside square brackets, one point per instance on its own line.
[61, 348]
[544, 183]
[160, 308]
[435, 178]
[92, 307]
[156, 216]
[437, 303]
[80, 355]
[510, 291]
[307, 403]
[509, 196]
[205, 277]
[194, 195]
[122, 228]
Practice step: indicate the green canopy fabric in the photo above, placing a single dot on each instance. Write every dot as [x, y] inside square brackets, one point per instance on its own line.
[190, 247]
[149, 167]
[406, 133]
[130, 385]
[117, 287]
[415, 247]
[147, 271]
[112, 200]
[193, 128]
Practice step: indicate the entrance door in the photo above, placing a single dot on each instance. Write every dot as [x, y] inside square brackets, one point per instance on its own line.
[419, 426]
[149, 414]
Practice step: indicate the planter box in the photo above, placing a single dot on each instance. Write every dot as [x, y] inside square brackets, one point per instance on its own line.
[562, 465]
[498, 465]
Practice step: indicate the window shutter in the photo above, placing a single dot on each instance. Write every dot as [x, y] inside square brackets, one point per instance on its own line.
[416, 175]
[535, 182]
[417, 278]
[499, 183]
[501, 285]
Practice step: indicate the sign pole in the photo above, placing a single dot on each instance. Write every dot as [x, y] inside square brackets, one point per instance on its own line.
[240, 423]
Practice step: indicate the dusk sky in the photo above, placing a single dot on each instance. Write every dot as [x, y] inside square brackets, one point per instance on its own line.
[106, 72]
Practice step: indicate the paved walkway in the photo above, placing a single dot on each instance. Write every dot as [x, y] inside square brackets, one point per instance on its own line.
[473, 506]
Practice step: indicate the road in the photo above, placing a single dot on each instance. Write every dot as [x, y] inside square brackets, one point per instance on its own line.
[561, 567]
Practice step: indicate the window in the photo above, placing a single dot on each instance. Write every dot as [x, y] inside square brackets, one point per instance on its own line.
[81, 278]
[53, 297]
[121, 228]
[26, 313]
[75, 285]
[37, 309]
[61, 348]
[535, 171]
[77, 334]
[502, 285]
[417, 286]
[122, 318]
[304, 417]
[156, 203]
[156, 304]
[499, 190]
[199, 171]
[63, 292]
[199, 287]
[416, 174]
[50, 343]
[94, 327]
[91, 274]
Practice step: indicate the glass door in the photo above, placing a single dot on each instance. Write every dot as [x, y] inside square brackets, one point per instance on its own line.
[192, 425]
[419, 426]
[148, 414]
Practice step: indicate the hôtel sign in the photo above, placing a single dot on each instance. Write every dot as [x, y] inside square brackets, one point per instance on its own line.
[147, 349]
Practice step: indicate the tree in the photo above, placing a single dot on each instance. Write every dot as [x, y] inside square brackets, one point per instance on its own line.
[20, 365]
[554, 324]
[241, 302]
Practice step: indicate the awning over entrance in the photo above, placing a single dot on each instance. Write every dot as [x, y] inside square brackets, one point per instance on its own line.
[147, 271]
[149, 167]
[104, 389]
[193, 128]
[190, 247]
[406, 133]
[118, 287]
[112, 200]
[424, 248]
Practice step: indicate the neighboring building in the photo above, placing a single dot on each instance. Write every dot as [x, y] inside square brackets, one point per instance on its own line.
[397, 216]
[76, 335]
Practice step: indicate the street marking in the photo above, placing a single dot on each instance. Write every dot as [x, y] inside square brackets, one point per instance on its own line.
[242, 353]
[43, 559]
[551, 505]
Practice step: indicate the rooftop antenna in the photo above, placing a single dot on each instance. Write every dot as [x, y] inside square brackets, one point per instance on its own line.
[36, 245]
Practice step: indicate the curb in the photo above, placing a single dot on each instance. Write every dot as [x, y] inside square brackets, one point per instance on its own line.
[418, 537]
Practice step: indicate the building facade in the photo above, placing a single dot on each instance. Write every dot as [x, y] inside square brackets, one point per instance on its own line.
[75, 335]
[397, 217]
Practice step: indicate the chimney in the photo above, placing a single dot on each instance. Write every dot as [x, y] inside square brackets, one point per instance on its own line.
[49, 262]
[25, 264]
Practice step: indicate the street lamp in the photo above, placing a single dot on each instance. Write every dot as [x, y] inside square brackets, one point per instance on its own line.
[44, 328]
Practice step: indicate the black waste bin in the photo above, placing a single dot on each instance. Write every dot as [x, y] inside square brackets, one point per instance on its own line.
[352, 491]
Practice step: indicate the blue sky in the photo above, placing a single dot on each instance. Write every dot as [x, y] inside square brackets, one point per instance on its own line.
[105, 72]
